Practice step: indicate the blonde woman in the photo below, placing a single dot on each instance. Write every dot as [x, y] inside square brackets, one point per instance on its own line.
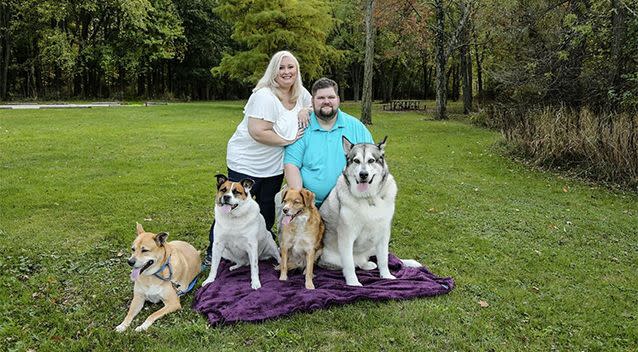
[275, 116]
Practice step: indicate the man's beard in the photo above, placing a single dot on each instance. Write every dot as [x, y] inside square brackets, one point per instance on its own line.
[326, 117]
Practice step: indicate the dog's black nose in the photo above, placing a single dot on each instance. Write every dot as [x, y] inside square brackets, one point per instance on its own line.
[285, 210]
[131, 261]
[363, 175]
[226, 198]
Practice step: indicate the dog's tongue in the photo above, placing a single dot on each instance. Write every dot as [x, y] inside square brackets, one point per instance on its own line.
[287, 219]
[226, 208]
[135, 273]
[362, 187]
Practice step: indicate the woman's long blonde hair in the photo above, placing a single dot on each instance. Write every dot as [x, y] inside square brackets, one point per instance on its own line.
[270, 76]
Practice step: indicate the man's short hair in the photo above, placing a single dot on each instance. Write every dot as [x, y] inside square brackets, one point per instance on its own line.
[324, 82]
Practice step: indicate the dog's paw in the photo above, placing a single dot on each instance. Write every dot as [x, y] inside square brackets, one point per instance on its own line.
[256, 285]
[388, 276]
[121, 327]
[310, 286]
[235, 267]
[283, 277]
[353, 282]
[207, 281]
[142, 327]
[368, 266]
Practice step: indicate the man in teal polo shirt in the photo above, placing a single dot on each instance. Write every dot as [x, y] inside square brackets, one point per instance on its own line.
[316, 160]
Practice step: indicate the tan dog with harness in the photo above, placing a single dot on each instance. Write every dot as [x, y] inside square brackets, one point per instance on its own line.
[162, 271]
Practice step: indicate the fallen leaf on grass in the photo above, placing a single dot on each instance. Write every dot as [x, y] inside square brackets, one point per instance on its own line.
[483, 304]
[565, 189]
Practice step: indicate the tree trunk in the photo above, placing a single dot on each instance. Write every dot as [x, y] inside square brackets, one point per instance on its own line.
[120, 78]
[424, 64]
[464, 78]
[479, 67]
[366, 102]
[5, 50]
[387, 82]
[356, 82]
[466, 67]
[140, 84]
[4, 69]
[441, 82]
[618, 39]
[456, 83]
[470, 81]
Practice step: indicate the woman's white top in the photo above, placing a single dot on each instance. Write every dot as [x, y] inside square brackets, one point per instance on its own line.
[246, 155]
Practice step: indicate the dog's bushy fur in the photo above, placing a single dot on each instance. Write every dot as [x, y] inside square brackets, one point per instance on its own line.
[358, 213]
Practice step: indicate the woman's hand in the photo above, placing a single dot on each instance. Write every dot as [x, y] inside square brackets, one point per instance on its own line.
[300, 132]
[304, 117]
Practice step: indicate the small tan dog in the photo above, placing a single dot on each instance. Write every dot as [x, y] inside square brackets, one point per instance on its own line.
[301, 235]
[162, 271]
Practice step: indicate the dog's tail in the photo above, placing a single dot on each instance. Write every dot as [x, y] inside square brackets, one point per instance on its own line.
[411, 263]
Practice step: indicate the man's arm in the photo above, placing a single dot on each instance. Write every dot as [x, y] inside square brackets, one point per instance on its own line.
[293, 176]
[293, 161]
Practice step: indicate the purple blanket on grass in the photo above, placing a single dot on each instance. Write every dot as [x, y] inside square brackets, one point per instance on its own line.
[229, 299]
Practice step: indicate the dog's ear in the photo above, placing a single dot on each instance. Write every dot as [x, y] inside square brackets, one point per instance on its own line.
[138, 228]
[308, 197]
[160, 238]
[220, 179]
[247, 184]
[381, 144]
[347, 145]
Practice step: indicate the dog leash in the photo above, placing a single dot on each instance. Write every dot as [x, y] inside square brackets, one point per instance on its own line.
[170, 277]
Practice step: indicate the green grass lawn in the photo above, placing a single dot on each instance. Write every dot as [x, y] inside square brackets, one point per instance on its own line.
[540, 262]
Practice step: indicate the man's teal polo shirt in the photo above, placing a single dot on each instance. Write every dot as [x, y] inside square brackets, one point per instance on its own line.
[319, 153]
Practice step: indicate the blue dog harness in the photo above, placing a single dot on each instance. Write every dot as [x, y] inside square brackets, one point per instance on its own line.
[170, 277]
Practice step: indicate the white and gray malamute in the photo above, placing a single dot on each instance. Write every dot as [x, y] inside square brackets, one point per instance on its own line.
[358, 213]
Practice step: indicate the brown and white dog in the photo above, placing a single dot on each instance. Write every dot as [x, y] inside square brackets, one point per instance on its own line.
[301, 235]
[240, 230]
[162, 271]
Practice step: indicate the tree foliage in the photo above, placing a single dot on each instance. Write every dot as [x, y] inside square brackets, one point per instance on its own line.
[263, 27]
[515, 52]
[566, 52]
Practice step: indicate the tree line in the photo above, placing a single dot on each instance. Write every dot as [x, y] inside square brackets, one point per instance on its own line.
[513, 52]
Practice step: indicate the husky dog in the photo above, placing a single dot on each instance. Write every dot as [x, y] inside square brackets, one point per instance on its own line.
[358, 213]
